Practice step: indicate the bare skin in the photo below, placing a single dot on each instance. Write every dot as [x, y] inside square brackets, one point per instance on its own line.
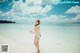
[36, 39]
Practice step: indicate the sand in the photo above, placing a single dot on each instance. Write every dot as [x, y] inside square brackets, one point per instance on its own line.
[53, 40]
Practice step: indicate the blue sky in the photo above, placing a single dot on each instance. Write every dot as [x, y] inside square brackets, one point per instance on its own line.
[48, 11]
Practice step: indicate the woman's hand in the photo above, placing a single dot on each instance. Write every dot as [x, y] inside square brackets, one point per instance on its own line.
[31, 31]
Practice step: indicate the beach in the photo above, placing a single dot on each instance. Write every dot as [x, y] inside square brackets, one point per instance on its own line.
[54, 39]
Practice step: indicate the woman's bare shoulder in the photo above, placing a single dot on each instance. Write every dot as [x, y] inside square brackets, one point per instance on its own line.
[37, 26]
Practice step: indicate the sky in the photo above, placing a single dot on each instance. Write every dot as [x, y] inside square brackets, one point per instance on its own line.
[48, 11]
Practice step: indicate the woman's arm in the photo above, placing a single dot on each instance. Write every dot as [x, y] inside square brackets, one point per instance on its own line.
[31, 31]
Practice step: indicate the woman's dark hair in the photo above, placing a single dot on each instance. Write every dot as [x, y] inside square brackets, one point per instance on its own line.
[38, 22]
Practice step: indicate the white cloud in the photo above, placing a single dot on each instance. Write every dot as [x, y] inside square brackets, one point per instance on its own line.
[60, 19]
[74, 9]
[42, 2]
[46, 9]
[22, 11]
[76, 18]
[64, 19]
[50, 2]
[35, 2]
[55, 19]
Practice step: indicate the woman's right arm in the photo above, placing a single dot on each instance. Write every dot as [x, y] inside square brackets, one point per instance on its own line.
[32, 31]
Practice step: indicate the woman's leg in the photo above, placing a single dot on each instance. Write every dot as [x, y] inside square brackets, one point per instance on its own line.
[36, 42]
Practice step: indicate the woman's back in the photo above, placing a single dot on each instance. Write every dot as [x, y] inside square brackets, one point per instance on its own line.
[37, 29]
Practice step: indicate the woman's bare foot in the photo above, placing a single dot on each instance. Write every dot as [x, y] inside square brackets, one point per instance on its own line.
[38, 51]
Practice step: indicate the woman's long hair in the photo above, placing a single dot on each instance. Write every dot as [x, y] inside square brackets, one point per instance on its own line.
[38, 22]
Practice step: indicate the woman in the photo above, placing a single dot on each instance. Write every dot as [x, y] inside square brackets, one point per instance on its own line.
[37, 35]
